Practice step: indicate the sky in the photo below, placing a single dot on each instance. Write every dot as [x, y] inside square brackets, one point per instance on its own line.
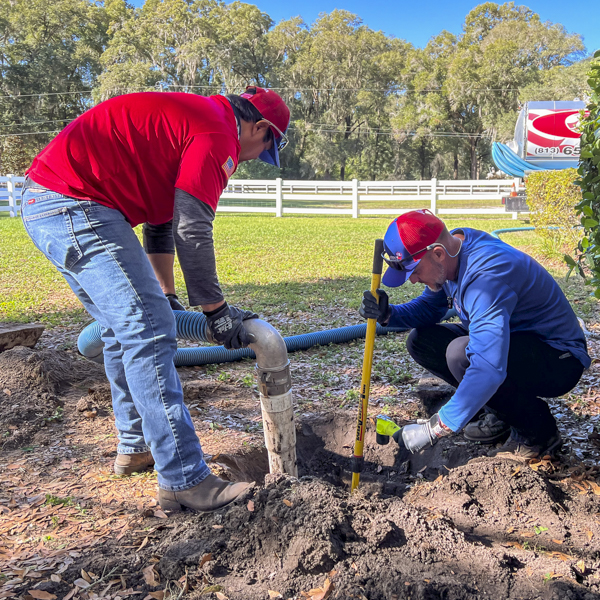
[417, 21]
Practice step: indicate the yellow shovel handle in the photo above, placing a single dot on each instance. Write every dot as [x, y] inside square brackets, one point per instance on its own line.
[358, 458]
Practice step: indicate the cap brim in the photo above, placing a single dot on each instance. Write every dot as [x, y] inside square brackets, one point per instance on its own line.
[270, 156]
[394, 278]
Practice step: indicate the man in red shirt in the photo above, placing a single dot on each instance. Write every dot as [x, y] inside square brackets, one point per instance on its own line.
[161, 159]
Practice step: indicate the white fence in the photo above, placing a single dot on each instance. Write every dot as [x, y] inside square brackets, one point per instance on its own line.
[10, 194]
[353, 198]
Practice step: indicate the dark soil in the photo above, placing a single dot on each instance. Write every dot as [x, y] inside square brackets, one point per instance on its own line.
[30, 384]
[448, 523]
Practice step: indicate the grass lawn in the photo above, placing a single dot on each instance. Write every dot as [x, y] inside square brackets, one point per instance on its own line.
[310, 269]
[307, 274]
[300, 274]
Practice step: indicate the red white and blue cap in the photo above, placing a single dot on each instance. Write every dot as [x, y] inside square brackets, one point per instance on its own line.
[406, 240]
[272, 108]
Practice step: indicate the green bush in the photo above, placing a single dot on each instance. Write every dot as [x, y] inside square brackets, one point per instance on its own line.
[552, 197]
[588, 251]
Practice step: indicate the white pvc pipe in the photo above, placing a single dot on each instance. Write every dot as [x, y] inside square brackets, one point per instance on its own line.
[274, 384]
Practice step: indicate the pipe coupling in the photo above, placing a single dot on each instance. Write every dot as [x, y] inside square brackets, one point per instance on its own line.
[274, 383]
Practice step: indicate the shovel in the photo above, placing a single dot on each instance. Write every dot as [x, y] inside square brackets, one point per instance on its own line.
[358, 457]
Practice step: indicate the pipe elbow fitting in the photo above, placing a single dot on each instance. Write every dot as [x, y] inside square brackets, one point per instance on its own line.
[272, 364]
[269, 347]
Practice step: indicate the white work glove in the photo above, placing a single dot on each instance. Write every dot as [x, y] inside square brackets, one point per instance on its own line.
[426, 432]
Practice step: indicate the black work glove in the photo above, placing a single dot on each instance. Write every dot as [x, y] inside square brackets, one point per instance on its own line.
[426, 432]
[225, 326]
[174, 302]
[369, 309]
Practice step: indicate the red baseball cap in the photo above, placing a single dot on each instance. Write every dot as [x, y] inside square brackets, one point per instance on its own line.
[273, 109]
[407, 239]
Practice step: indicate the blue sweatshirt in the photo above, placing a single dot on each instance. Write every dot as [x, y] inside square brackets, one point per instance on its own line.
[499, 290]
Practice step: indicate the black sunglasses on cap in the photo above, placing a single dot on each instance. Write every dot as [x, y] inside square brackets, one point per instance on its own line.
[398, 263]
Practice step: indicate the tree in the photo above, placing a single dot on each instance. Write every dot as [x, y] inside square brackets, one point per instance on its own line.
[339, 72]
[49, 61]
[201, 46]
[503, 49]
[424, 110]
[363, 104]
[467, 85]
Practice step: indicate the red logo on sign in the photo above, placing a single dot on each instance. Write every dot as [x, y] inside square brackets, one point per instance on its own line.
[562, 123]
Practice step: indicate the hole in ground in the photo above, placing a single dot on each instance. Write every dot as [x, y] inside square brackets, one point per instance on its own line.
[324, 447]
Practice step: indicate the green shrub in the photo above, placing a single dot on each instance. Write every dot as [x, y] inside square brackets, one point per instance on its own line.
[552, 197]
[588, 252]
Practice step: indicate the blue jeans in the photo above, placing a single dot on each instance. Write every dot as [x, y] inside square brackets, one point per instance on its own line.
[98, 253]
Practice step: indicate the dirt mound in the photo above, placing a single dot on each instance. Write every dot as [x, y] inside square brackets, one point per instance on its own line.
[504, 502]
[97, 401]
[486, 528]
[325, 443]
[292, 536]
[29, 383]
[492, 488]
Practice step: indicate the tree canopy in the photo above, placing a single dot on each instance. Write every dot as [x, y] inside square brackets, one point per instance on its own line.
[363, 104]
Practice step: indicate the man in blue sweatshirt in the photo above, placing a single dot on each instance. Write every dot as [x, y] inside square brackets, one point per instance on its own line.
[518, 339]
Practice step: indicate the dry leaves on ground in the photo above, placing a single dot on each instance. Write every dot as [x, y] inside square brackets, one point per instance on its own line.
[320, 593]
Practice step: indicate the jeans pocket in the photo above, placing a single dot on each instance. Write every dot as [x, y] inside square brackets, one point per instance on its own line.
[52, 232]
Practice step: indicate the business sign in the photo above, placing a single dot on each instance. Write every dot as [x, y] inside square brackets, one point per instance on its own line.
[552, 130]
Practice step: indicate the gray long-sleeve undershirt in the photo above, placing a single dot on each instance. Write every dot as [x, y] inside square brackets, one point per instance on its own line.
[191, 234]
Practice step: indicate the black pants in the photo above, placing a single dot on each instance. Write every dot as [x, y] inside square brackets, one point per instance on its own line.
[534, 369]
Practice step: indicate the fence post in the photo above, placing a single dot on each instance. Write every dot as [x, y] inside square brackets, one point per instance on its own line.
[434, 196]
[278, 198]
[517, 182]
[355, 198]
[10, 188]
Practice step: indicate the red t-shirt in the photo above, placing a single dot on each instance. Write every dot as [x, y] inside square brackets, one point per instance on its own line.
[132, 151]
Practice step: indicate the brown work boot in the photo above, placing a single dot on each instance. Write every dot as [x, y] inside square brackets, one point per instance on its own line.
[126, 464]
[210, 494]
[516, 449]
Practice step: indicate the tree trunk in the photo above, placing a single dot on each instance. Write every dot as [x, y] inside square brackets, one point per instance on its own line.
[374, 163]
[473, 156]
[347, 133]
[455, 171]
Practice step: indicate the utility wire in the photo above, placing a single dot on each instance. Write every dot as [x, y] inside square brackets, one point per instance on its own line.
[29, 133]
[27, 123]
[405, 133]
[390, 89]
[330, 131]
[380, 130]
[310, 127]
[11, 96]
[289, 89]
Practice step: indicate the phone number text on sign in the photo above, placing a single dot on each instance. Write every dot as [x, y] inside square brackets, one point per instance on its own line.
[565, 150]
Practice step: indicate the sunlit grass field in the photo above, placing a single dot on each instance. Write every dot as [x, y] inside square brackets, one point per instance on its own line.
[317, 265]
